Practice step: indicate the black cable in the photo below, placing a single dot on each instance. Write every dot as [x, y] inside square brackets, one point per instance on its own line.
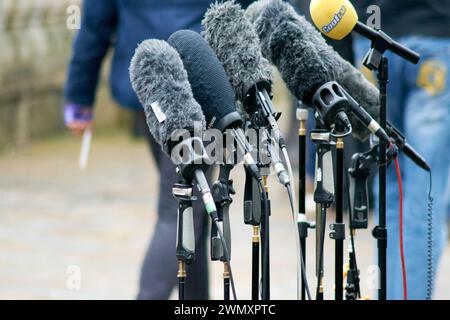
[227, 257]
[302, 261]
[430, 242]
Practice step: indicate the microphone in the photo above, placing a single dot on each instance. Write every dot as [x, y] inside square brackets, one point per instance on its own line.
[267, 16]
[336, 19]
[161, 84]
[289, 48]
[410, 152]
[237, 46]
[307, 75]
[212, 90]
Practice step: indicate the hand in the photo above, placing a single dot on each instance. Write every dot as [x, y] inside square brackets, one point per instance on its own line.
[77, 118]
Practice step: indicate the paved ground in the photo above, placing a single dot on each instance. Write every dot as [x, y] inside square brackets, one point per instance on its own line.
[57, 223]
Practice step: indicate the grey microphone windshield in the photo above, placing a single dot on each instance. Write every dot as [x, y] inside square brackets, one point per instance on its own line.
[161, 83]
[209, 81]
[236, 44]
[297, 60]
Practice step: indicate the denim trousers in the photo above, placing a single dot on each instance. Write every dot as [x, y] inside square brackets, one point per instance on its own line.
[419, 106]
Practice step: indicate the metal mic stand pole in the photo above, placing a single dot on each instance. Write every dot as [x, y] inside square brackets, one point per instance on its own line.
[265, 240]
[323, 196]
[338, 228]
[222, 190]
[302, 223]
[263, 160]
[252, 216]
[185, 248]
[381, 231]
[375, 60]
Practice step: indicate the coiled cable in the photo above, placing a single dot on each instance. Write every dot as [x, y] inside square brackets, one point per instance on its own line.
[430, 272]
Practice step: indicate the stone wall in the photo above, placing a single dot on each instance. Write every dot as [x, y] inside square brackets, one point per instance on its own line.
[35, 49]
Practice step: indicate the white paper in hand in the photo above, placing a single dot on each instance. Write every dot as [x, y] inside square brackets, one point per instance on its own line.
[84, 150]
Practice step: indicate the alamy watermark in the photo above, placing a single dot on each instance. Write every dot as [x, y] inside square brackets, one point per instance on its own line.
[73, 20]
[73, 281]
[374, 18]
[211, 146]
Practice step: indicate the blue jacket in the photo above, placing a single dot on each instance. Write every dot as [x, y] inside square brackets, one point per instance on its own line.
[123, 24]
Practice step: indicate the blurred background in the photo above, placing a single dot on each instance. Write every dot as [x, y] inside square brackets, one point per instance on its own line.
[71, 234]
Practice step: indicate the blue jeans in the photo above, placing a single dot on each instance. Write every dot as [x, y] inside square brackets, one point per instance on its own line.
[418, 105]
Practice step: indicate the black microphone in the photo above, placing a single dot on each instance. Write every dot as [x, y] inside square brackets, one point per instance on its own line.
[410, 152]
[161, 84]
[212, 90]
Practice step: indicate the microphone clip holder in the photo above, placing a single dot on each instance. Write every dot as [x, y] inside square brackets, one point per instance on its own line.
[358, 174]
[185, 243]
[330, 104]
[324, 177]
[381, 42]
[258, 104]
[222, 190]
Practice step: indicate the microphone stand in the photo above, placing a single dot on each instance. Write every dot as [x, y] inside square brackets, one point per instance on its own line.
[265, 241]
[302, 224]
[252, 216]
[338, 228]
[185, 248]
[255, 214]
[323, 196]
[374, 60]
[222, 190]
[265, 217]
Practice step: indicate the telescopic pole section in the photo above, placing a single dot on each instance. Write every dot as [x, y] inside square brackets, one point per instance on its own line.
[338, 227]
[265, 241]
[255, 263]
[226, 281]
[302, 225]
[380, 231]
[181, 279]
[322, 213]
